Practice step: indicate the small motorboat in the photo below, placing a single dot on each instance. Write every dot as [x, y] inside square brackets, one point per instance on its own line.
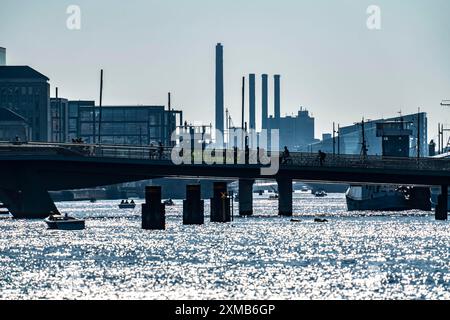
[64, 222]
[320, 194]
[320, 220]
[127, 205]
[169, 202]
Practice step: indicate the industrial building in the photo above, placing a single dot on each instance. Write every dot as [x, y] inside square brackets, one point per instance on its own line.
[26, 92]
[295, 132]
[349, 139]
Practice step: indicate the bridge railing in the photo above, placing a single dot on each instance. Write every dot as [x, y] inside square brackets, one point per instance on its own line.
[165, 153]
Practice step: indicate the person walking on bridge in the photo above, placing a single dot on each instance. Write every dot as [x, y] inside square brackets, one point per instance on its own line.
[160, 150]
[322, 156]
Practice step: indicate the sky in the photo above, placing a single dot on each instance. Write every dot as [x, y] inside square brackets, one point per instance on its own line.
[329, 60]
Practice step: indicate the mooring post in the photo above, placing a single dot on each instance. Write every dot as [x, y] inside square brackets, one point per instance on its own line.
[246, 197]
[285, 197]
[442, 204]
[193, 206]
[220, 203]
[153, 211]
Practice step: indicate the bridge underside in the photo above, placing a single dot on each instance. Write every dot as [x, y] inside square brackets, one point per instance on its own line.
[24, 190]
[25, 182]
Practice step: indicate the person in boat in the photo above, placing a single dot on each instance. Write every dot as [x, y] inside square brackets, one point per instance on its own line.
[132, 202]
[122, 202]
[126, 201]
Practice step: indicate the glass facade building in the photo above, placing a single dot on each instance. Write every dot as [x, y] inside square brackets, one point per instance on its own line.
[125, 125]
[58, 120]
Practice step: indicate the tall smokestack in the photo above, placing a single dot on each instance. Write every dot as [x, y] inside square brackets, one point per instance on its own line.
[277, 99]
[219, 88]
[265, 102]
[2, 56]
[251, 97]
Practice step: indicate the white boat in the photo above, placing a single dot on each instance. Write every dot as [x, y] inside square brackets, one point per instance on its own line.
[64, 222]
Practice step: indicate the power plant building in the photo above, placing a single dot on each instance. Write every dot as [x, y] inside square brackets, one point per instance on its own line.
[296, 132]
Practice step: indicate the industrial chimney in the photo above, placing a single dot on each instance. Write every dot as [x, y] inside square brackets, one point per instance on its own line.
[264, 102]
[219, 88]
[277, 100]
[251, 95]
[2, 56]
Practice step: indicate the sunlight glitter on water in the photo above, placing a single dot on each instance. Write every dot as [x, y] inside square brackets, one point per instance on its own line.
[354, 256]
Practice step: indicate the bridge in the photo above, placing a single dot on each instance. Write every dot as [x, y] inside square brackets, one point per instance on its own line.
[29, 170]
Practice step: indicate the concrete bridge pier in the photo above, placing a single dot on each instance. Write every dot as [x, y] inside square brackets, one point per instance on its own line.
[153, 211]
[220, 203]
[285, 197]
[30, 202]
[246, 197]
[193, 206]
[442, 205]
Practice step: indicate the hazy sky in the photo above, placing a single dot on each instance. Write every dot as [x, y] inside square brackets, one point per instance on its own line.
[329, 60]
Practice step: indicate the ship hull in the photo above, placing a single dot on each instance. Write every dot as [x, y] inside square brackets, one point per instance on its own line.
[388, 203]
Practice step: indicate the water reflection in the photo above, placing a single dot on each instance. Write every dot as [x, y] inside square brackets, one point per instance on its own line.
[354, 256]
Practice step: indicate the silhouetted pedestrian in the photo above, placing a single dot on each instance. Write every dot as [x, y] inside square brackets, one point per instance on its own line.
[160, 150]
[322, 156]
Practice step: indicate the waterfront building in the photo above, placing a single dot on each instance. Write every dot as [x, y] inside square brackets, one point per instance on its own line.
[26, 92]
[124, 125]
[13, 126]
[58, 120]
[350, 137]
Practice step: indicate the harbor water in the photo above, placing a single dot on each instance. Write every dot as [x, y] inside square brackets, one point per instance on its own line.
[357, 255]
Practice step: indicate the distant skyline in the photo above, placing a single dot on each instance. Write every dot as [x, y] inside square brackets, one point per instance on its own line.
[329, 61]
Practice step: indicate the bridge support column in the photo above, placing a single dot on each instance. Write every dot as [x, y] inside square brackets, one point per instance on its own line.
[442, 205]
[31, 202]
[153, 211]
[193, 206]
[246, 197]
[285, 197]
[220, 203]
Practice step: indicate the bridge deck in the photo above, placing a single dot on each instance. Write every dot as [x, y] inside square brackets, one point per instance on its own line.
[154, 153]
